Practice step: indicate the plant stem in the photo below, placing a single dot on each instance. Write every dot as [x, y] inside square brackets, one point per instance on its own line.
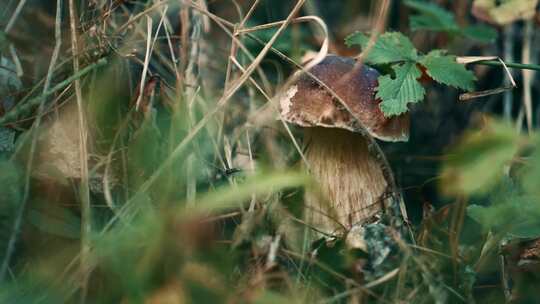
[508, 48]
[512, 65]
[84, 191]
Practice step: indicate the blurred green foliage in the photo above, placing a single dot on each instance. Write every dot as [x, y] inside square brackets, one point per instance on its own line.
[478, 163]
[432, 17]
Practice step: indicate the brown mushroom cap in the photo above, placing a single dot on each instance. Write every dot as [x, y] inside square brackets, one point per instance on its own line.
[308, 104]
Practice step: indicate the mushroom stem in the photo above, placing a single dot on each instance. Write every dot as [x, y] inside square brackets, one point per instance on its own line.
[351, 180]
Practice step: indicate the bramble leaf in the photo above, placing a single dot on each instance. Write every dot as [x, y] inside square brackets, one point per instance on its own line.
[515, 215]
[477, 163]
[396, 93]
[480, 32]
[432, 17]
[510, 212]
[388, 48]
[444, 69]
[396, 51]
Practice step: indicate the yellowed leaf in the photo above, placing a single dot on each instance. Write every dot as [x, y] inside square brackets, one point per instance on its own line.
[504, 12]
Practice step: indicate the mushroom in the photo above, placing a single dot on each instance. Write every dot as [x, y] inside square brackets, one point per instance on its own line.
[343, 158]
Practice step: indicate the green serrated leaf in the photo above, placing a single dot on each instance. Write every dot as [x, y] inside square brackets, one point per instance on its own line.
[396, 93]
[444, 69]
[388, 48]
[478, 162]
[480, 32]
[432, 17]
[510, 213]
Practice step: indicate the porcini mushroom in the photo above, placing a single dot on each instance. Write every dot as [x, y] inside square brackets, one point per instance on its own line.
[352, 178]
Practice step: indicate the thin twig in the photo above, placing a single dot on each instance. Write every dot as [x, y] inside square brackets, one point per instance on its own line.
[527, 75]
[191, 93]
[508, 47]
[146, 61]
[512, 65]
[84, 194]
[16, 60]
[168, 29]
[14, 17]
[378, 26]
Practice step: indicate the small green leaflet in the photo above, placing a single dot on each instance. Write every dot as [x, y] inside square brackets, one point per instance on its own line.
[432, 17]
[478, 162]
[397, 92]
[396, 51]
[480, 32]
[516, 216]
[388, 48]
[510, 212]
[444, 69]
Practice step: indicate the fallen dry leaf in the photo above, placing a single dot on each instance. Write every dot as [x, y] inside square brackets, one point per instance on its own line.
[504, 12]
